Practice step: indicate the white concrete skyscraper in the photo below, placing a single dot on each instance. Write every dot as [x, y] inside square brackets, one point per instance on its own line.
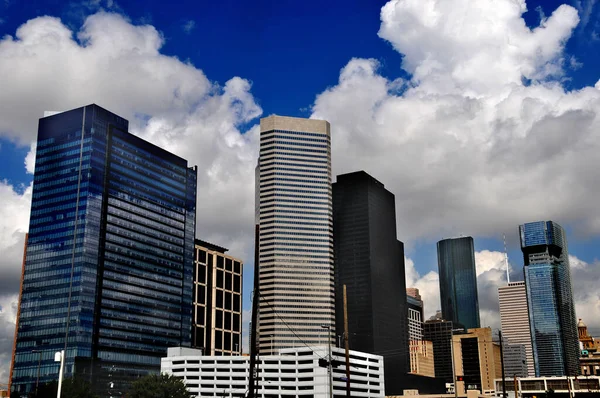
[294, 214]
[514, 317]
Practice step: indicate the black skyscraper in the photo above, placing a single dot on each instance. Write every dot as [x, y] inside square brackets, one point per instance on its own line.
[370, 262]
[458, 282]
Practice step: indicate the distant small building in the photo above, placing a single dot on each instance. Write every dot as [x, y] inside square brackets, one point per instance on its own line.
[421, 358]
[587, 342]
[415, 314]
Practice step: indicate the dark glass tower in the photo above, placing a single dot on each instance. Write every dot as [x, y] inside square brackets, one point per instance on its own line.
[370, 262]
[458, 282]
[439, 332]
[550, 299]
[109, 265]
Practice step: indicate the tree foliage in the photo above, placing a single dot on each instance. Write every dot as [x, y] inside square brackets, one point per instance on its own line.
[71, 388]
[158, 386]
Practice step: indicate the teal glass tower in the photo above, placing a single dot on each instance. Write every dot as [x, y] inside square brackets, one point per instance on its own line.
[552, 318]
[109, 261]
[458, 282]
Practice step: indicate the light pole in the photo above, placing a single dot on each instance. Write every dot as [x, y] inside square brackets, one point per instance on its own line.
[37, 380]
[60, 357]
[330, 359]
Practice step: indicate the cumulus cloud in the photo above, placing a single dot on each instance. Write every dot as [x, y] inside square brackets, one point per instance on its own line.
[491, 274]
[428, 285]
[119, 65]
[586, 279]
[483, 130]
[14, 221]
[8, 314]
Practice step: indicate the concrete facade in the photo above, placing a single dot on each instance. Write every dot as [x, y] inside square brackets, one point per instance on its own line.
[421, 358]
[514, 316]
[477, 360]
[217, 316]
[291, 373]
[294, 215]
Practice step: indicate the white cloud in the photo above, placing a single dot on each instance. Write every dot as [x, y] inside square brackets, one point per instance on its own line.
[14, 221]
[483, 137]
[188, 26]
[119, 66]
[586, 279]
[491, 273]
[30, 158]
[428, 285]
[8, 313]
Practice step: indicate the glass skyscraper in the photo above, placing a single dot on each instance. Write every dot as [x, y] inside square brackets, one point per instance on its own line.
[294, 215]
[109, 262]
[550, 299]
[458, 282]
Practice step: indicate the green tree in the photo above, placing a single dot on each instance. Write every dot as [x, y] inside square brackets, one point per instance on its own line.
[71, 388]
[158, 386]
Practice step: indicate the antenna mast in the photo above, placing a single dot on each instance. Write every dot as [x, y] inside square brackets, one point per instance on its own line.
[506, 260]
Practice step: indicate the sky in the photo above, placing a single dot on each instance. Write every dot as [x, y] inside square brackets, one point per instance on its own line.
[478, 116]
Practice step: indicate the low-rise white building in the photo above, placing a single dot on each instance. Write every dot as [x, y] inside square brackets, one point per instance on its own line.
[295, 372]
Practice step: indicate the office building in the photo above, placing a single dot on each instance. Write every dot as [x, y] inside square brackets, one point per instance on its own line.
[294, 216]
[109, 263]
[293, 373]
[370, 262]
[514, 316]
[421, 358]
[415, 316]
[515, 360]
[439, 332]
[458, 282]
[217, 323]
[552, 319]
[477, 359]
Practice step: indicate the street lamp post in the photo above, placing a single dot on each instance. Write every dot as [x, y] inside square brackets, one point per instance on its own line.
[329, 369]
[60, 357]
[37, 380]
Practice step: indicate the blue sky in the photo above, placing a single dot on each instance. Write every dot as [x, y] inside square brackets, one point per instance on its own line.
[297, 45]
[292, 52]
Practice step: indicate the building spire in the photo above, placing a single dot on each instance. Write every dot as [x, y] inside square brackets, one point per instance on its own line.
[506, 260]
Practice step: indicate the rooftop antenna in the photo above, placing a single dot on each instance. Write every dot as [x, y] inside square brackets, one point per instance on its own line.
[506, 260]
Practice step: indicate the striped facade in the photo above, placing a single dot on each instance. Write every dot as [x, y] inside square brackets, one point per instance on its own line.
[514, 316]
[294, 212]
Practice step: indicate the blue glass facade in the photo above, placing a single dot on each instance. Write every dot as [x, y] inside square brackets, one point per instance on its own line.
[109, 261]
[552, 316]
[458, 282]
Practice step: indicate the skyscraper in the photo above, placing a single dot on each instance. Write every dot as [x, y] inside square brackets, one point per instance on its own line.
[370, 262]
[217, 325]
[514, 316]
[458, 282]
[108, 270]
[294, 216]
[550, 299]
